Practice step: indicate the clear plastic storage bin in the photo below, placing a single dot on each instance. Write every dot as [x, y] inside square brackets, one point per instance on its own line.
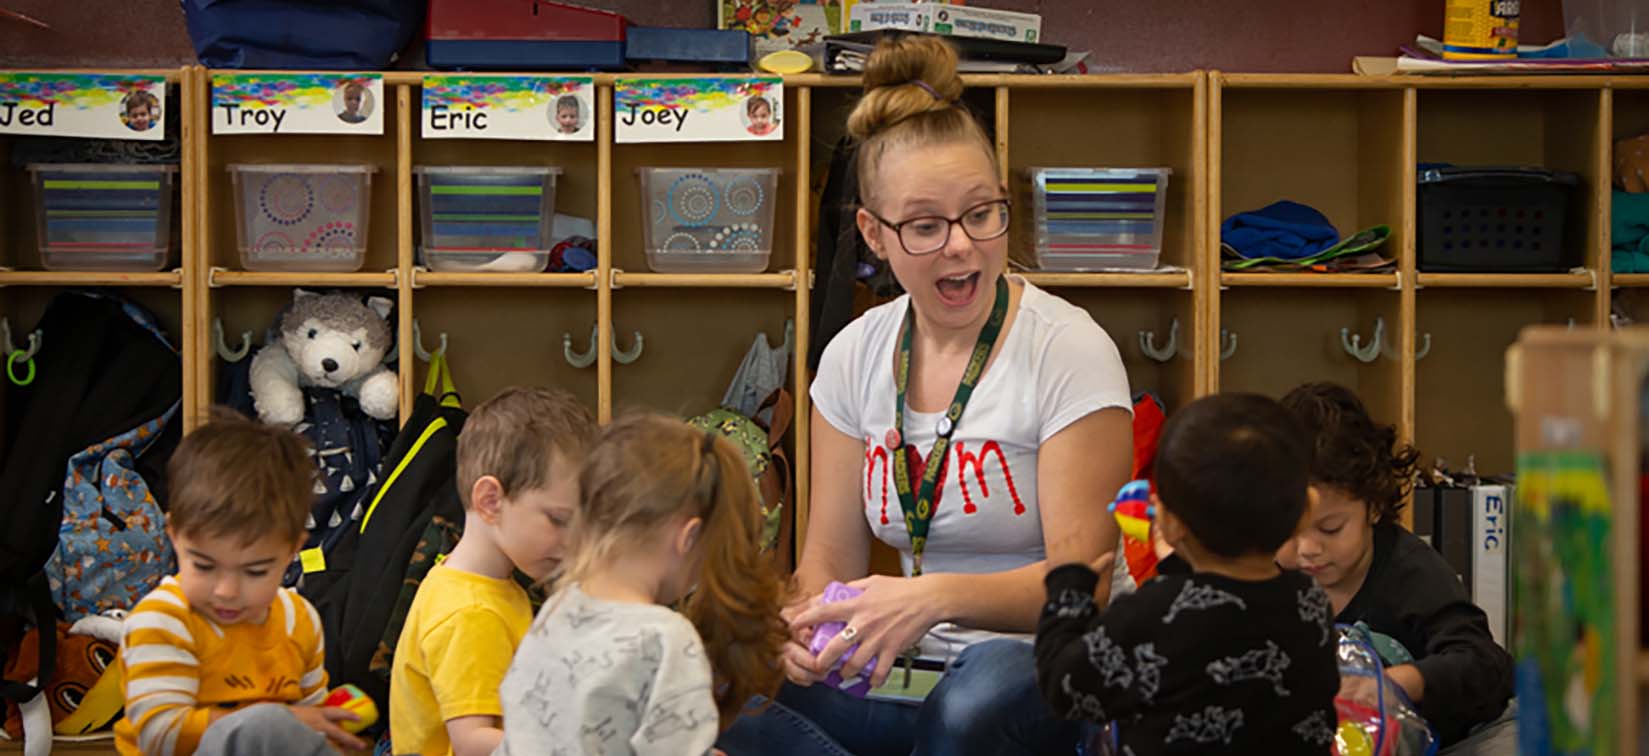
[485, 218]
[709, 220]
[302, 217]
[104, 217]
[1607, 28]
[1098, 218]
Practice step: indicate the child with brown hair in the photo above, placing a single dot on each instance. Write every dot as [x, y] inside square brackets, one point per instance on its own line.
[220, 658]
[666, 514]
[1377, 573]
[518, 458]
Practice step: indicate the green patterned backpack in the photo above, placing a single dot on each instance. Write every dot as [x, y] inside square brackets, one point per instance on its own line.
[769, 466]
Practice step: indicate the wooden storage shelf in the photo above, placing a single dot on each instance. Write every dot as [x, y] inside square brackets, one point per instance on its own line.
[218, 278]
[172, 278]
[781, 280]
[1311, 280]
[1459, 385]
[1508, 280]
[1345, 144]
[1172, 280]
[422, 277]
[1286, 337]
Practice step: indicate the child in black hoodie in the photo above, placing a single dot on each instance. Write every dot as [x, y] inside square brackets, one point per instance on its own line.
[1237, 656]
[1381, 575]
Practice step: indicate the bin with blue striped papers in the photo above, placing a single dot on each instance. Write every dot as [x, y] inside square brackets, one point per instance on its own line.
[105, 217]
[486, 218]
[1093, 219]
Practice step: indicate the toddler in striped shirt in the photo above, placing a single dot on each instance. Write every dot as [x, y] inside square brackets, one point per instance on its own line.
[220, 658]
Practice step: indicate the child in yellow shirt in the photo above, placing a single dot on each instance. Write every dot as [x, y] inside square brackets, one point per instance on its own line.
[219, 658]
[518, 459]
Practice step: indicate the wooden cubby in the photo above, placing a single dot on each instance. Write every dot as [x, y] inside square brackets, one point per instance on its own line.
[1345, 144]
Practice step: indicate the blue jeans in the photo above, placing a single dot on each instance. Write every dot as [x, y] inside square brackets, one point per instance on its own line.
[986, 703]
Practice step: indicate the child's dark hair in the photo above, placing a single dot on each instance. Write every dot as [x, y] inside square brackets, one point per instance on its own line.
[1351, 451]
[1233, 468]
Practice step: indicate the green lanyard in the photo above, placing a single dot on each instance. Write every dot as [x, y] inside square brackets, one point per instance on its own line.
[918, 505]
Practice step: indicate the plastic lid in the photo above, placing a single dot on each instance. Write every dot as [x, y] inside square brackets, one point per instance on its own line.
[1099, 172]
[710, 170]
[105, 167]
[303, 168]
[488, 170]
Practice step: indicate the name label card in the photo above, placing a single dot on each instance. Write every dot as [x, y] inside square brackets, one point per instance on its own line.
[539, 108]
[699, 109]
[255, 103]
[106, 106]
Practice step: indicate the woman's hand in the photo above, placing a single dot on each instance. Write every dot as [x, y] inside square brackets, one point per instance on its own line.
[889, 617]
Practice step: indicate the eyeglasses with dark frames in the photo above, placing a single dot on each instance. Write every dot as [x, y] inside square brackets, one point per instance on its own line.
[926, 234]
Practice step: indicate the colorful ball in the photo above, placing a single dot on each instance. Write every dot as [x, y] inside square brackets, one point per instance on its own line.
[353, 699]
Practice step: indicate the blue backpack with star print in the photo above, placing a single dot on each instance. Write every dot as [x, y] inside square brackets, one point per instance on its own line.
[111, 542]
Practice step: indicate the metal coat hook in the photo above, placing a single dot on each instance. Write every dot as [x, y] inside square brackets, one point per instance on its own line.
[1164, 353]
[1228, 341]
[579, 360]
[418, 344]
[625, 357]
[1354, 346]
[15, 355]
[224, 352]
[1419, 354]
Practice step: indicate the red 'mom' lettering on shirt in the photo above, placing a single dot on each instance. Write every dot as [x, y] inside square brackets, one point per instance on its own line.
[875, 453]
[965, 458]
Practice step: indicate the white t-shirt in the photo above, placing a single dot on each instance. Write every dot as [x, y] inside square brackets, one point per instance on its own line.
[609, 678]
[1055, 367]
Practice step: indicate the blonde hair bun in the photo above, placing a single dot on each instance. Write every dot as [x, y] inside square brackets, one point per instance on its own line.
[906, 76]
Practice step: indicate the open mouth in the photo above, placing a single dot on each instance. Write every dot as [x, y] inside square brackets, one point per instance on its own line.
[958, 290]
[225, 615]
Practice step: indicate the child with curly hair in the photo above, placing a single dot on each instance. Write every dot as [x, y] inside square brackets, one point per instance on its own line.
[1379, 574]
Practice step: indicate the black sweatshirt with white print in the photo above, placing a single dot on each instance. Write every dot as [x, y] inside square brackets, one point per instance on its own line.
[1195, 663]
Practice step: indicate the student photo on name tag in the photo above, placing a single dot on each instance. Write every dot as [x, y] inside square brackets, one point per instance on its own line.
[757, 116]
[140, 111]
[568, 114]
[352, 101]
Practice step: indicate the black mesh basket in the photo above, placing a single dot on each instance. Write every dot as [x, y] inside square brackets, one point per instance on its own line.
[1495, 220]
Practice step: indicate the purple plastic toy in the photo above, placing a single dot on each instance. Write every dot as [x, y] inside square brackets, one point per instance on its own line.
[856, 686]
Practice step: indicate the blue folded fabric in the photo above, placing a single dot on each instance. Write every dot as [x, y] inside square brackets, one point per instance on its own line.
[1629, 232]
[1285, 230]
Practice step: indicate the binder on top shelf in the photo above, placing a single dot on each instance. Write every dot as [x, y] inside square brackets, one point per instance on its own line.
[846, 53]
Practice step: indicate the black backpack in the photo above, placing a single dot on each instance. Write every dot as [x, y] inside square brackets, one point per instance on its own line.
[100, 374]
[357, 586]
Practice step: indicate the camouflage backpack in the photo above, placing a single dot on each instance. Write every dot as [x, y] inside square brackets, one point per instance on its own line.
[764, 453]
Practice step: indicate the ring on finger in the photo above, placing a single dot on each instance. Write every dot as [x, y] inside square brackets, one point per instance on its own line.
[849, 633]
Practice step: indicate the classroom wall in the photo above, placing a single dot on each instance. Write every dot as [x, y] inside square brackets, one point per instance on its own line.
[1132, 35]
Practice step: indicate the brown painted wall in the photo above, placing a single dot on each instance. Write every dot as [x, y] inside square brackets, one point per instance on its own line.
[1131, 35]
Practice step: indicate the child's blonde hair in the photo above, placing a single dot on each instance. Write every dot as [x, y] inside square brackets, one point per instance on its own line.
[518, 435]
[647, 469]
